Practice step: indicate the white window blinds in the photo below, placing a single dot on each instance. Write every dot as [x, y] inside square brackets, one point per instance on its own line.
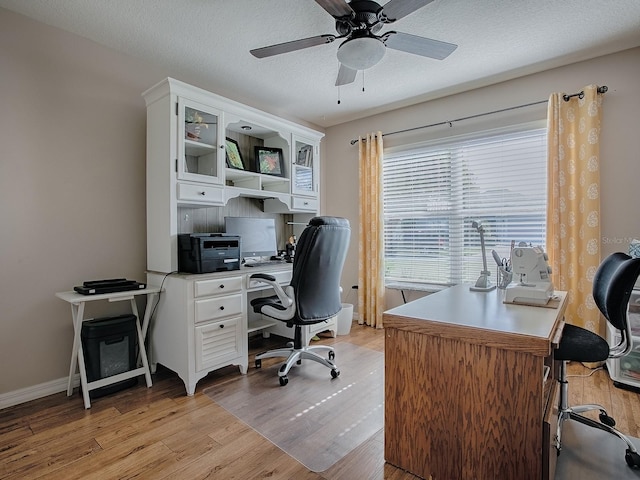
[433, 193]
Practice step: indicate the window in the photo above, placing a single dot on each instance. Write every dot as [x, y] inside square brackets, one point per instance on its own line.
[433, 192]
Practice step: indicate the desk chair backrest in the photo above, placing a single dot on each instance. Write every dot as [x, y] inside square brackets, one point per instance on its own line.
[612, 285]
[317, 268]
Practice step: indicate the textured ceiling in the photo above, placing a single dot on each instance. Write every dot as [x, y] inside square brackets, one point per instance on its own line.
[209, 40]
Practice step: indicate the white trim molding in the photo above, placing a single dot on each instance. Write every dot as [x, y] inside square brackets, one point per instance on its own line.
[35, 392]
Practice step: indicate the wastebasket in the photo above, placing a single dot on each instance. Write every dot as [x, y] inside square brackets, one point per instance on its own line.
[345, 317]
[109, 346]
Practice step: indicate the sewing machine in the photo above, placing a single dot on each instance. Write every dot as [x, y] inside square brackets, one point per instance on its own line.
[534, 285]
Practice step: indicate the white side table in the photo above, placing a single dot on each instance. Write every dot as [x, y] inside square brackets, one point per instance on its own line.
[78, 302]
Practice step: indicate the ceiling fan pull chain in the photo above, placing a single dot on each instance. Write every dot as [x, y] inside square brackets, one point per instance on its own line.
[338, 94]
[363, 81]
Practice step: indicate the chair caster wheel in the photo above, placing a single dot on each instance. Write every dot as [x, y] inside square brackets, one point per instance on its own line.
[607, 420]
[632, 458]
[258, 363]
[335, 373]
[332, 355]
[283, 380]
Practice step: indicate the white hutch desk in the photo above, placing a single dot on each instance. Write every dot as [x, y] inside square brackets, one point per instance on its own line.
[78, 303]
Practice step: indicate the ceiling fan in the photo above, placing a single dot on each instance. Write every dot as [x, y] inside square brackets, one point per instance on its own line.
[360, 21]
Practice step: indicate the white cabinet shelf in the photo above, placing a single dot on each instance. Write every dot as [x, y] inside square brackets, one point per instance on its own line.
[198, 149]
[187, 131]
[260, 324]
[257, 181]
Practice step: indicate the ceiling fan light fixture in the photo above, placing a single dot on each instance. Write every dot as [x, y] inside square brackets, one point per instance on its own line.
[361, 53]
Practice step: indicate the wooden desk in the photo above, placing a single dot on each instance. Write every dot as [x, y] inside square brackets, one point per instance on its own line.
[464, 390]
[78, 302]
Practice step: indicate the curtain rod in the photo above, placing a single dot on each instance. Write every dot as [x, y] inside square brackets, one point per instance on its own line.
[565, 97]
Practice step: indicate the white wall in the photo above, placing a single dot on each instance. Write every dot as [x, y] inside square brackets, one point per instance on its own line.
[72, 187]
[620, 149]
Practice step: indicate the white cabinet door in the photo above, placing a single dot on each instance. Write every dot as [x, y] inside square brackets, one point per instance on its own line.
[218, 343]
[304, 167]
[200, 148]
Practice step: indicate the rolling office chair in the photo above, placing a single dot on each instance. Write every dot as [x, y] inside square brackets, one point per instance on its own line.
[313, 296]
[612, 287]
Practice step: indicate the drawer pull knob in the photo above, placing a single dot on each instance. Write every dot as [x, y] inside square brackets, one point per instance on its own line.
[202, 193]
[222, 285]
[221, 326]
[221, 307]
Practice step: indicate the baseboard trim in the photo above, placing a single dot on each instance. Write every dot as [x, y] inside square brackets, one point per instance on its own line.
[35, 392]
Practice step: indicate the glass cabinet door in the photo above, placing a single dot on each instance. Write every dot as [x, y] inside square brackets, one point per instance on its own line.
[200, 153]
[303, 173]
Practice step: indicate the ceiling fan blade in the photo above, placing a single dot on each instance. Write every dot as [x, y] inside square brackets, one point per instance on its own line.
[336, 8]
[427, 47]
[396, 9]
[291, 46]
[345, 75]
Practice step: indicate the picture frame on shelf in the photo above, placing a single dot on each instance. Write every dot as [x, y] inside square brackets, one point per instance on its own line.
[233, 155]
[305, 156]
[269, 161]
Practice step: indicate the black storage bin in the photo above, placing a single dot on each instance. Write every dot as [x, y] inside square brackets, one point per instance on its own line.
[110, 346]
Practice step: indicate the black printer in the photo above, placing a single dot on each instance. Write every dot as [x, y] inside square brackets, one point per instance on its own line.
[208, 252]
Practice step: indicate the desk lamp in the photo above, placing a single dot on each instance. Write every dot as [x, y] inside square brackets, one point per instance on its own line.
[483, 284]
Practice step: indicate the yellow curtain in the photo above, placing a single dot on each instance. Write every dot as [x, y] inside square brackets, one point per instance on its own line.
[370, 229]
[573, 211]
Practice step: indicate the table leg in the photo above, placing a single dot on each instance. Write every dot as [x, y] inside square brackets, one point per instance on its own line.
[83, 378]
[148, 311]
[143, 351]
[77, 314]
[151, 297]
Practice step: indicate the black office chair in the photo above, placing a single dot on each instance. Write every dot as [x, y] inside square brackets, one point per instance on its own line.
[612, 287]
[313, 296]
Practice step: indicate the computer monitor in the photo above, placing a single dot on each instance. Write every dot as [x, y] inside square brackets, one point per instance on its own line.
[258, 235]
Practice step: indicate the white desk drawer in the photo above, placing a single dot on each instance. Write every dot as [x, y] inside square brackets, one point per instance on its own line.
[308, 204]
[205, 288]
[218, 307]
[283, 278]
[200, 194]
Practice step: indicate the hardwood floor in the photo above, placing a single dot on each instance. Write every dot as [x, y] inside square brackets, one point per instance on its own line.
[160, 433]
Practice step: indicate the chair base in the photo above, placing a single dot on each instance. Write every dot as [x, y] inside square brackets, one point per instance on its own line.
[606, 424]
[295, 352]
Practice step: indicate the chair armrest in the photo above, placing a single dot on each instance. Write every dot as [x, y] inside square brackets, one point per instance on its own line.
[263, 276]
[271, 280]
